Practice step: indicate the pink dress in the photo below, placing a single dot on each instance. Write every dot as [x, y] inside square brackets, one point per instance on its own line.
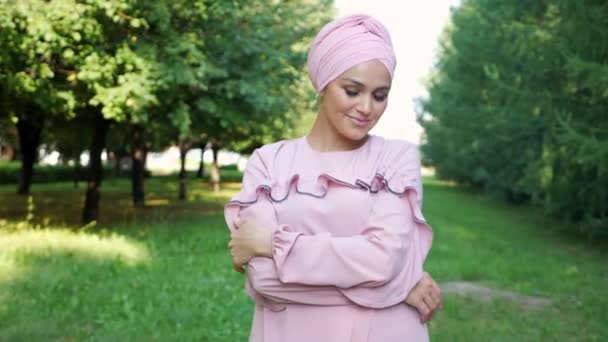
[349, 241]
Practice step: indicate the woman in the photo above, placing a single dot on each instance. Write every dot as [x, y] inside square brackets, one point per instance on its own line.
[329, 225]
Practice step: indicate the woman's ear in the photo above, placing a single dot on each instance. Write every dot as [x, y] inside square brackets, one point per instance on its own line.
[318, 98]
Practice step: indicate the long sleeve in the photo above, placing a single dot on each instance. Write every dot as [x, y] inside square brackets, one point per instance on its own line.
[263, 276]
[377, 268]
[369, 259]
[261, 271]
[266, 281]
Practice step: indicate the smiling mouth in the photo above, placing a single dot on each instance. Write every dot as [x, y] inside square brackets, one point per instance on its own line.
[358, 121]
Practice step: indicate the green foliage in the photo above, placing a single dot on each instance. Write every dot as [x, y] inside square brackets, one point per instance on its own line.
[9, 173]
[518, 105]
[264, 91]
[160, 72]
[66, 54]
[231, 72]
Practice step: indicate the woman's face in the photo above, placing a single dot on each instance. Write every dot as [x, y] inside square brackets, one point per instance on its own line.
[354, 102]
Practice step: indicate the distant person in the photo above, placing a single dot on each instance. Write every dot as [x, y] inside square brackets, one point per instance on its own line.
[329, 226]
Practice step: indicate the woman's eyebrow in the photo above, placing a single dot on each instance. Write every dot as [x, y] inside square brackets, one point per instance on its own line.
[360, 84]
[385, 88]
[352, 80]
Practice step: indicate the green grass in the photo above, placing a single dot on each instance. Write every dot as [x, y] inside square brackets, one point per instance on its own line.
[513, 248]
[164, 274]
[171, 281]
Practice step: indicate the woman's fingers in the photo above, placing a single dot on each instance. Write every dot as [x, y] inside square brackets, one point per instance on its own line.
[238, 259]
[433, 299]
[423, 309]
[430, 301]
[436, 293]
[432, 296]
[238, 268]
[433, 304]
[432, 314]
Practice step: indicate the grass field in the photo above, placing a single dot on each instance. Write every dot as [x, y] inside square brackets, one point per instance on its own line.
[163, 273]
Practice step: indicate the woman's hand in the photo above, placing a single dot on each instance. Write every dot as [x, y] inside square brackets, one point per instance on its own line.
[238, 268]
[425, 297]
[248, 241]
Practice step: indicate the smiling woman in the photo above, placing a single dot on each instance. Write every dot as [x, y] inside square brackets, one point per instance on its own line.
[329, 226]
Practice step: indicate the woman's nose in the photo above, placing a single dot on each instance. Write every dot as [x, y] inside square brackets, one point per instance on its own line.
[365, 105]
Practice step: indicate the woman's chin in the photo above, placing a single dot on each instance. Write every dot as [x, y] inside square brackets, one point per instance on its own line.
[356, 134]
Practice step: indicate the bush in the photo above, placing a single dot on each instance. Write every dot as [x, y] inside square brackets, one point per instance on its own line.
[9, 173]
[229, 167]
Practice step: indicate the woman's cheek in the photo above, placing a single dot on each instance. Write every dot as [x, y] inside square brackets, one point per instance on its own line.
[379, 110]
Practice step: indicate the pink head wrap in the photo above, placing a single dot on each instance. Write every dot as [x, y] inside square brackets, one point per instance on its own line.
[346, 42]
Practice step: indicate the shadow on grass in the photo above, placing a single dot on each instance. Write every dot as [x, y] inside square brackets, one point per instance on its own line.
[61, 204]
[157, 273]
[169, 281]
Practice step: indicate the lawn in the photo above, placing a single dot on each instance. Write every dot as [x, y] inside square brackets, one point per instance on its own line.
[163, 273]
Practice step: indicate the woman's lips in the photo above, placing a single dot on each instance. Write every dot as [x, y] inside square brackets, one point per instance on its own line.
[359, 122]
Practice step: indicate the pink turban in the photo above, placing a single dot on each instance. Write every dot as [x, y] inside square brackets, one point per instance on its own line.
[346, 42]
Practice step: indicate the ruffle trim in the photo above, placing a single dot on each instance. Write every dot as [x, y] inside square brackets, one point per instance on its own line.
[279, 193]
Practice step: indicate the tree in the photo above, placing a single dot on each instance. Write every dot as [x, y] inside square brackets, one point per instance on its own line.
[517, 101]
[260, 97]
[73, 58]
[180, 72]
[31, 76]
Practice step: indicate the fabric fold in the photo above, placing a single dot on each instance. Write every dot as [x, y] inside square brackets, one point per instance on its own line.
[282, 241]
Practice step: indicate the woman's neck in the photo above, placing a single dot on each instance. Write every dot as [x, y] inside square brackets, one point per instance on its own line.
[324, 138]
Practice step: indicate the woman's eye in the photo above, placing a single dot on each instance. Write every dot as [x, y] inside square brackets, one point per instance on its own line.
[380, 98]
[351, 93]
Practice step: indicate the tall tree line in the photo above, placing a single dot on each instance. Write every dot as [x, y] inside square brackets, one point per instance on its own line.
[129, 76]
[518, 105]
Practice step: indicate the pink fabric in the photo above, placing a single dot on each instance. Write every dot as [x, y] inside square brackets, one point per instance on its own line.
[346, 42]
[349, 241]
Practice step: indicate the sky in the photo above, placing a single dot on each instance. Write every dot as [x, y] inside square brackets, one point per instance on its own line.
[415, 27]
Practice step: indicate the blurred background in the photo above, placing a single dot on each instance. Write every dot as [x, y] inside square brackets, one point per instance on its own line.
[125, 126]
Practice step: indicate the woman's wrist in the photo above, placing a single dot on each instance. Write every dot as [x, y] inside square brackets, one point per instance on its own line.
[265, 245]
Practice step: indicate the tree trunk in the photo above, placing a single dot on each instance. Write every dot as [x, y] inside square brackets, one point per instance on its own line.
[183, 150]
[29, 128]
[91, 203]
[215, 170]
[138, 164]
[116, 165]
[201, 166]
[119, 153]
[76, 170]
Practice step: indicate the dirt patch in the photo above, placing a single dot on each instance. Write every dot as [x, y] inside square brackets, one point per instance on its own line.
[487, 294]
